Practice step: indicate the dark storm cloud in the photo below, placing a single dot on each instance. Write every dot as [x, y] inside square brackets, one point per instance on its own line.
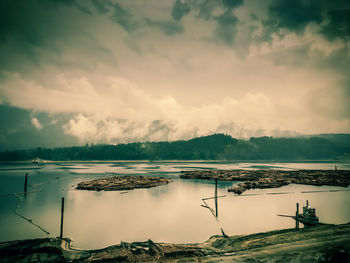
[339, 24]
[233, 3]
[226, 21]
[333, 19]
[206, 9]
[16, 21]
[82, 56]
[30, 20]
[226, 29]
[295, 15]
[83, 9]
[167, 27]
[18, 132]
[67, 2]
[124, 18]
[35, 34]
[180, 9]
[80, 7]
[101, 6]
[25, 28]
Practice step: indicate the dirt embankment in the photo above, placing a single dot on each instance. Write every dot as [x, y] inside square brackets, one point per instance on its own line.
[128, 182]
[272, 178]
[326, 243]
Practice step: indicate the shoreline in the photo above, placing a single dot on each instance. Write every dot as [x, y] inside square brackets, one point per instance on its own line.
[322, 243]
[269, 161]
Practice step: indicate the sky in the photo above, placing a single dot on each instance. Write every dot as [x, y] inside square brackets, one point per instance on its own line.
[105, 71]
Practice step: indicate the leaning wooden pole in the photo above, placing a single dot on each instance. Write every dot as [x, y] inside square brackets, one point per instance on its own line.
[62, 212]
[297, 218]
[216, 197]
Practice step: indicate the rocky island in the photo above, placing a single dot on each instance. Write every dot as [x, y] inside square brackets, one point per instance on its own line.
[127, 182]
[271, 178]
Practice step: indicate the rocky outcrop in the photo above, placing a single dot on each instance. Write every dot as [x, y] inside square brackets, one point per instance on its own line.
[272, 178]
[127, 182]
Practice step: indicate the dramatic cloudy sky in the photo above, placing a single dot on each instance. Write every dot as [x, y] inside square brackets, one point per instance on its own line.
[106, 71]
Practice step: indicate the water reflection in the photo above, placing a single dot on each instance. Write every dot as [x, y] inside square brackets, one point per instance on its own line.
[169, 213]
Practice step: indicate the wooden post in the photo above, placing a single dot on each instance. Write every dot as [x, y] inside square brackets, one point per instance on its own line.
[216, 197]
[297, 218]
[25, 185]
[62, 212]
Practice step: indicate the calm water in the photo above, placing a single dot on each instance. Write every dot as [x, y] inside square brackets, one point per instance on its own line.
[170, 213]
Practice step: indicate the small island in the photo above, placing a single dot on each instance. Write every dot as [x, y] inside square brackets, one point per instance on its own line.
[271, 178]
[126, 182]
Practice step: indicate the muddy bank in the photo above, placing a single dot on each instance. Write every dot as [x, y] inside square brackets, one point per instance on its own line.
[272, 178]
[327, 243]
[115, 183]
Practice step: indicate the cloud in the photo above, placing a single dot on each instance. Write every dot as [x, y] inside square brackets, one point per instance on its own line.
[131, 70]
[332, 16]
[294, 15]
[226, 29]
[94, 129]
[124, 112]
[232, 3]
[67, 2]
[18, 132]
[125, 105]
[36, 123]
[180, 9]
[124, 18]
[167, 27]
[34, 38]
[16, 22]
[338, 24]
[101, 6]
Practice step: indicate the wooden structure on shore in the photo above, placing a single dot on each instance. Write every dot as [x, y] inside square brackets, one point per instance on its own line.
[307, 217]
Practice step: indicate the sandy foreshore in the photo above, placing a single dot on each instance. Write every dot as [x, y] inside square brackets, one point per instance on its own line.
[323, 243]
[272, 178]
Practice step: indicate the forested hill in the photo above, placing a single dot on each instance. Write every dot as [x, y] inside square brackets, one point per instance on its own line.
[213, 147]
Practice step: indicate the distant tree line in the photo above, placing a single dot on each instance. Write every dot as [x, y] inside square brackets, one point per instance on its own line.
[213, 147]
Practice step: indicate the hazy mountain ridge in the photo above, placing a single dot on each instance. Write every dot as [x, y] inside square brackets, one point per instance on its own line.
[212, 147]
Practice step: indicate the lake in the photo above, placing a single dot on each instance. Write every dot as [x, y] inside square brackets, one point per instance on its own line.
[169, 213]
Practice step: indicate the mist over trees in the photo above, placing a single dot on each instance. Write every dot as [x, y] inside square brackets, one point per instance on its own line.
[213, 147]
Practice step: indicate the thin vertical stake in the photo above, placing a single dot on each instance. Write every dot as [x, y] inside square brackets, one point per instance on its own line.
[216, 197]
[25, 185]
[297, 218]
[62, 212]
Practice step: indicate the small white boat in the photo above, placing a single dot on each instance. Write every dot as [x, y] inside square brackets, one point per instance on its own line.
[38, 161]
